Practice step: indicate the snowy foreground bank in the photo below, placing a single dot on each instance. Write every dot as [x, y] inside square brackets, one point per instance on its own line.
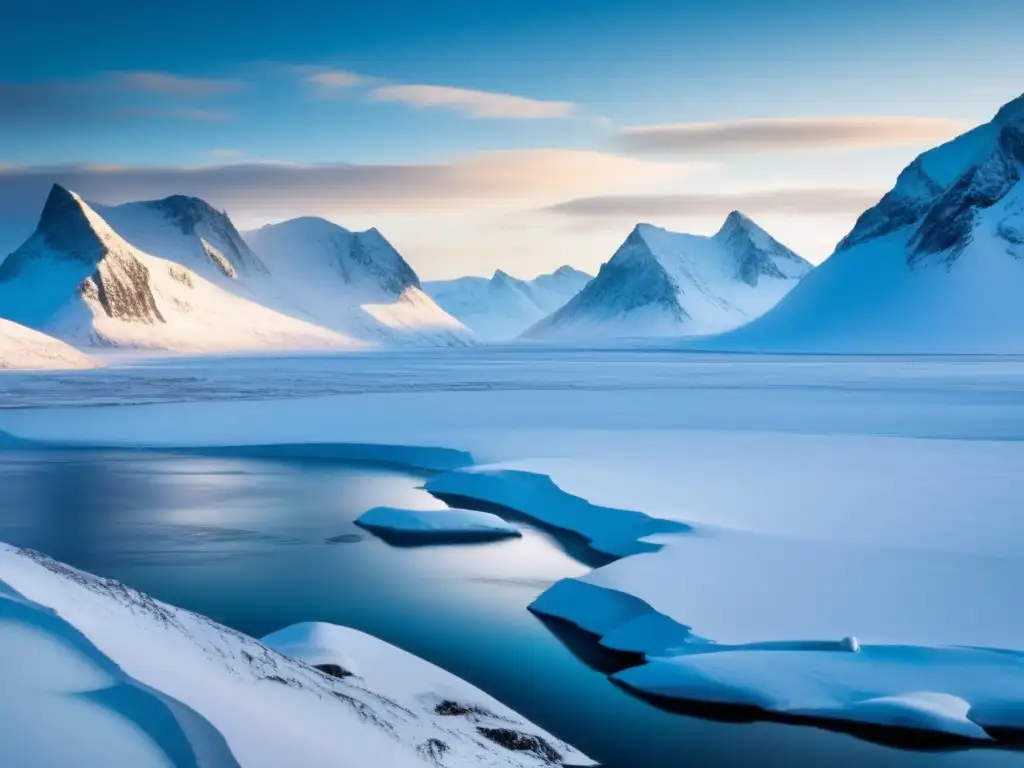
[765, 512]
[128, 681]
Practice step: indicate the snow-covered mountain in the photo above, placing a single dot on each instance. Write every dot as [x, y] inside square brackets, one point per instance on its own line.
[936, 266]
[22, 348]
[354, 281]
[661, 283]
[503, 306]
[129, 681]
[175, 274]
[77, 279]
[186, 230]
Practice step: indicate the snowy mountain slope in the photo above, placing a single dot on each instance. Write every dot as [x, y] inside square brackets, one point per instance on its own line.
[77, 279]
[23, 348]
[503, 306]
[129, 681]
[661, 283]
[185, 230]
[936, 266]
[353, 281]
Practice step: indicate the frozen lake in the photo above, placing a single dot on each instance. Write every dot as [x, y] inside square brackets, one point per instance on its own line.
[261, 544]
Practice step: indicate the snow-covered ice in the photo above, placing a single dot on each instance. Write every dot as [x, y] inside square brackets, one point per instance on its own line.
[917, 687]
[763, 505]
[130, 682]
[433, 525]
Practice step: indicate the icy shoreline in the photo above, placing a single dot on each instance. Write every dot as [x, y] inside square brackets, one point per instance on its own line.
[130, 681]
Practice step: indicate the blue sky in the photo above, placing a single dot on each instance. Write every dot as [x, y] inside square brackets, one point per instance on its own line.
[467, 99]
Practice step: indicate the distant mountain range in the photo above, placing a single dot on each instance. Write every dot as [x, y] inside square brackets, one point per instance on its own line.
[503, 306]
[661, 283]
[936, 266]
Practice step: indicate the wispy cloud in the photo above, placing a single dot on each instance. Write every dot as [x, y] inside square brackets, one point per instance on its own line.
[797, 134]
[272, 191]
[176, 85]
[802, 201]
[476, 104]
[56, 104]
[332, 80]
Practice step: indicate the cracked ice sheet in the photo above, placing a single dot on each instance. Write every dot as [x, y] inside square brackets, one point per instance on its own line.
[930, 626]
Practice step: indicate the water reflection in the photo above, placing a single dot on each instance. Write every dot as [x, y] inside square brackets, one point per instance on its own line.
[261, 544]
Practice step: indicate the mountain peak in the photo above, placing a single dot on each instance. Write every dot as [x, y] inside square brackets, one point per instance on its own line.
[739, 223]
[566, 271]
[69, 225]
[1011, 111]
[61, 204]
[187, 212]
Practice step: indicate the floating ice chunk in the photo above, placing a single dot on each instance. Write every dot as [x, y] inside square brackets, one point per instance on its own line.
[435, 524]
[609, 530]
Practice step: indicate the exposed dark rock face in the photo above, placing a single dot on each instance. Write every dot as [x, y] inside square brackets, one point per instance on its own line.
[633, 278]
[517, 741]
[66, 229]
[945, 215]
[433, 750]
[392, 272]
[122, 288]
[448, 708]
[334, 670]
[949, 224]
[906, 203]
[63, 229]
[197, 217]
[119, 282]
[747, 241]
